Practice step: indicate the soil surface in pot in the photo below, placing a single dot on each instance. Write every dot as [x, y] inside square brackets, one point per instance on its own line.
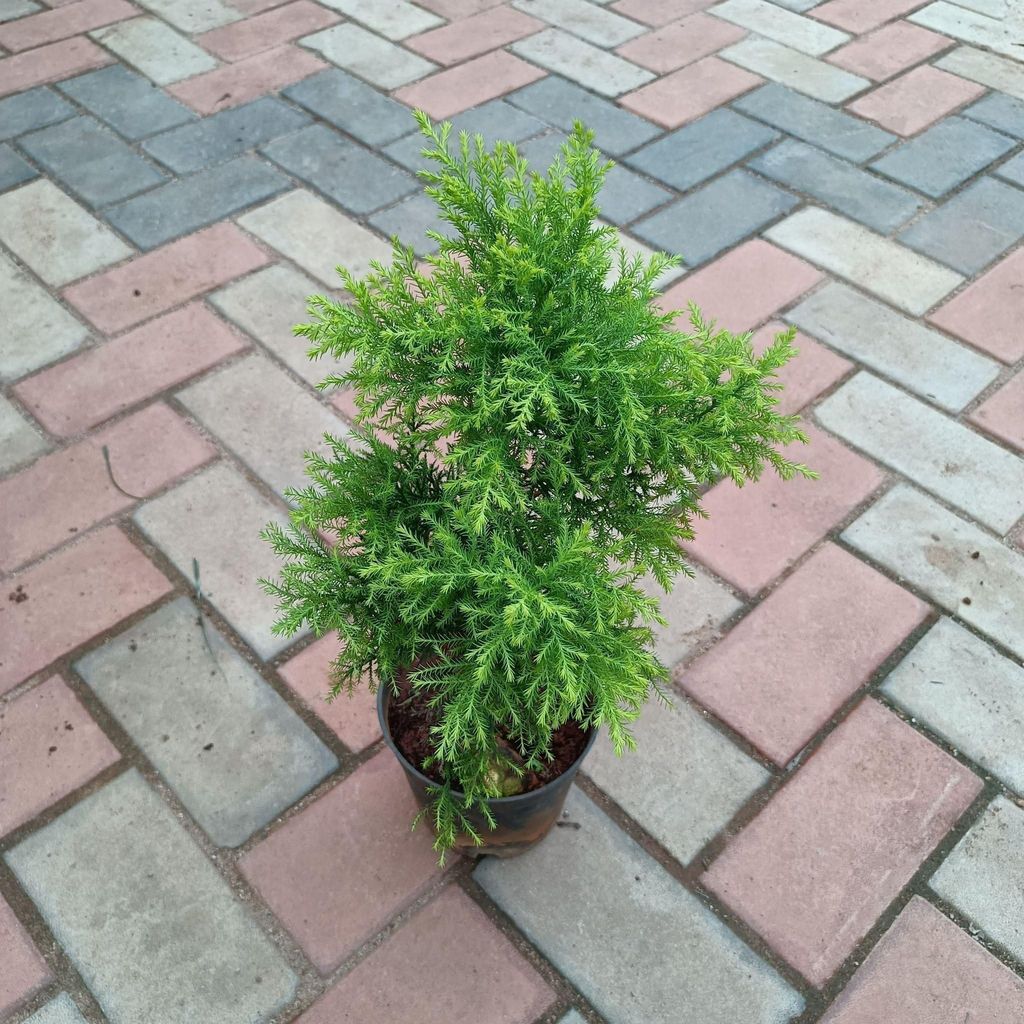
[410, 718]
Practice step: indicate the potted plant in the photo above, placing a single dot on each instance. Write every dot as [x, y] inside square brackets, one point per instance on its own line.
[534, 441]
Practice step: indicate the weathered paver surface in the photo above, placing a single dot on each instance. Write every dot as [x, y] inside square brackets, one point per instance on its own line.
[826, 826]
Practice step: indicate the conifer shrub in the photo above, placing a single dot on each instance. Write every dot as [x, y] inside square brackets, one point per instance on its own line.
[535, 434]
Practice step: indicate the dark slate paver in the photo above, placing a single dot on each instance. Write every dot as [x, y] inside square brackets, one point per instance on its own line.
[92, 161]
[560, 103]
[841, 185]
[13, 170]
[187, 204]
[700, 150]
[410, 220]
[226, 743]
[131, 104]
[1012, 170]
[943, 156]
[625, 195]
[815, 122]
[30, 110]
[972, 228]
[352, 105]
[152, 928]
[999, 111]
[345, 172]
[225, 135]
[495, 120]
[714, 217]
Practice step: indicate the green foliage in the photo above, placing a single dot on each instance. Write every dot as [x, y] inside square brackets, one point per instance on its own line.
[534, 441]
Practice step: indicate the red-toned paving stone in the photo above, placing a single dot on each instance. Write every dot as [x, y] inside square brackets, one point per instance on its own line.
[816, 868]
[681, 42]
[660, 12]
[77, 593]
[859, 16]
[22, 970]
[165, 277]
[989, 312]
[485, 78]
[353, 719]
[90, 388]
[448, 965]
[772, 279]
[813, 370]
[254, 35]
[49, 746]
[691, 91]
[70, 490]
[339, 871]
[910, 103]
[926, 970]
[779, 675]
[469, 37]
[50, 26]
[1002, 414]
[49, 64]
[889, 50]
[246, 79]
[755, 532]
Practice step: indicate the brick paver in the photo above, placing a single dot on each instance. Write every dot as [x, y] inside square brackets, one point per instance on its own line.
[176, 178]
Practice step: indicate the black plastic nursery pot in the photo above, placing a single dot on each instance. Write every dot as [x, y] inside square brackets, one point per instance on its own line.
[522, 820]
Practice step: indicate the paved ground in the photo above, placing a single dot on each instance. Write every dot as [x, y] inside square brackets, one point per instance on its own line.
[828, 826]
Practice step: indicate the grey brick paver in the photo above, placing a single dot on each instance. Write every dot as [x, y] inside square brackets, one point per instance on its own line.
[383, 63]
[838, 184]
[968, 693]
[129, 103]
[28, 111]
[190, 203]
[984, 875]
[222, 136]
[1012, 170]
[943, 156]
[234, 753]
[152, 928]
[19, 442]
[13, 170]
[409, 220]
[999, 111]
[715, 216]
[61, 1010]
[598, 906]
[92, 161]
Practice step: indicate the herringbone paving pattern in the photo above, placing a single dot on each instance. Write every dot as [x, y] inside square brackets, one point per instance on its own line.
[827, 826]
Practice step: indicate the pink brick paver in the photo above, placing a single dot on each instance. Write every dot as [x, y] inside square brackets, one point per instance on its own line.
[469, 37]
[926, 970]
[165, 277]
[691, 91]
[49, 746]
[336, 873]
[69, 491]
[22, 969]
[266, 31]
[780, 674]
[485, 78]
[53, 607]
[681, 42]
[70, 20]
[814, 369]
[353, 719]
[910, 103]
[659, 12]
[90, 388]
[755, 532]
[821, 862]
[247, 79]
[863, 15]
[448, 965]
[772, 279]
[50, 63]
[889, 50]
[989, 312]
[1002, 413]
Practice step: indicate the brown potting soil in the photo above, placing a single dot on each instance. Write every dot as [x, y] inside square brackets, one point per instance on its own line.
[410, 719]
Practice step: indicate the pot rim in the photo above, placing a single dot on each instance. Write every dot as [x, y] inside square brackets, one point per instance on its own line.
[384, 690]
